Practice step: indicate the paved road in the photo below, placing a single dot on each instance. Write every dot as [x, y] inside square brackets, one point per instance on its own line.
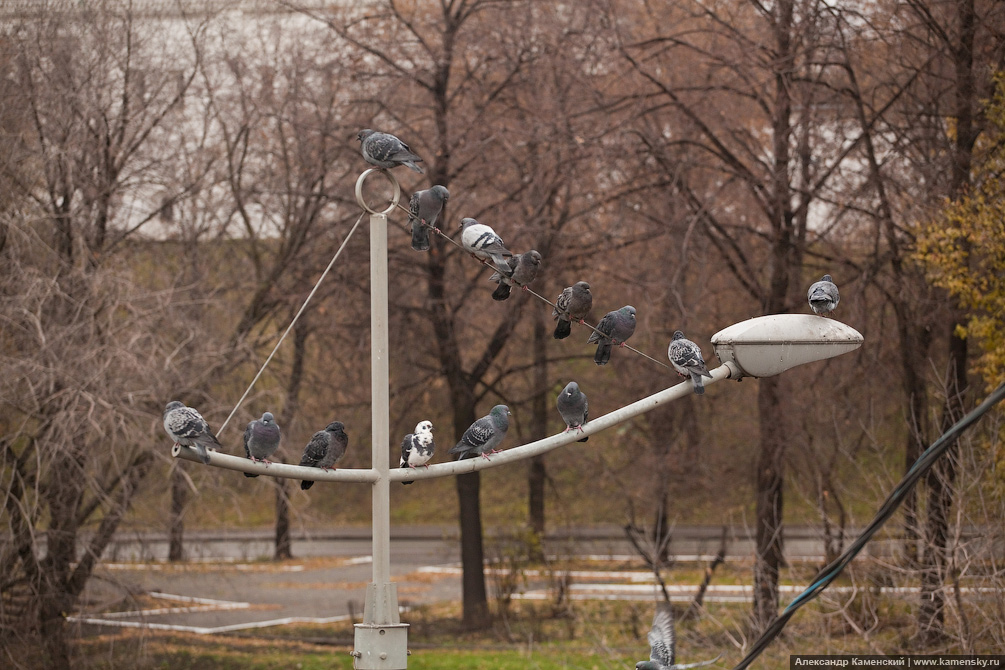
[225, 585]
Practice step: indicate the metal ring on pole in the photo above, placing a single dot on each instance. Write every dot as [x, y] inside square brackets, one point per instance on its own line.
[390, 177]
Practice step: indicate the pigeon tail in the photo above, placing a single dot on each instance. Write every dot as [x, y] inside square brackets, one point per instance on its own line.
[563, 329]
[249, 474]
[603, 354]
[699, 387]
[413, 167]
[502, 292]
[420, 237]
[406, 483]
[584, 439]
[200, 449]
[305, 484]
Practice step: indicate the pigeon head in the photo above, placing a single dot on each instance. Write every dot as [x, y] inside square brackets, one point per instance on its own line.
[572, 389]
[583, 285]
[534, 257]
[268, 418]
[335, 427]
[174, 404]
[501, 412]
[629, 311]
[441, 191]
[363, 134]
[826, 278]
[677, 335]
[424, 427]
[468, 222]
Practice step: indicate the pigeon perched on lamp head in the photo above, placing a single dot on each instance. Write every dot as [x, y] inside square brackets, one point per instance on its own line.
[484, 435]
[386, 151]
[685, 356]
[423, 210]
[187, 428]
[325, 449]
[823, 295]
[482, 242]
[261, 439]
[663, 644]
[417, 447]
[573, 407]
[617, 327]
[573, 304]
[524, 266]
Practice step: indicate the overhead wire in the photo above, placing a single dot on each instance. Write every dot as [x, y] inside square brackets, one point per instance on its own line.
[831, 571]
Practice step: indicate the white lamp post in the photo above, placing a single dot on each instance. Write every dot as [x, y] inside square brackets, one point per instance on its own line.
[759, 347]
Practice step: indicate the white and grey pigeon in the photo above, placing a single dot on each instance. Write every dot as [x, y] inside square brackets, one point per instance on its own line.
[386, 151]
[574, 408]
[573, 304]
[685, 356]
[482, 242]
[261, 439]
[524, 266]
[484, 435]
[663, 644]
[187, 428]
[423, 210]
[417, 447]
[617, 326]
[823, 295]
[325, 449]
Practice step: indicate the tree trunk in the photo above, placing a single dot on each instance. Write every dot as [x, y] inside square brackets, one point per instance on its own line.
[176, 519]
[474, 596]
[301, 331]
[283, 546]
[768, 558]
[536, 473]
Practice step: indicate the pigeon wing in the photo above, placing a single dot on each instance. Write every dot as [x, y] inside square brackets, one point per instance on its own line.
[662, 642]
[606, 326]
[315, 449]
[475, 437]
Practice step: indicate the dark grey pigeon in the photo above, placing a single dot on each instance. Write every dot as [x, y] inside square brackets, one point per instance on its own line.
[525, 267]
[685, 356]
[574, 408]
[617, 326]
[386, 151]
[187, 428]
[325, 449]
[423, 210]
[482, 242]
[573, 304]
[823, 295]
[261, 439]
[417, 447]
[484, 435]
[663, 644]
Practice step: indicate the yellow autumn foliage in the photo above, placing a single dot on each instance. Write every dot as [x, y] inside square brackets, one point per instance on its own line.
[963, 248]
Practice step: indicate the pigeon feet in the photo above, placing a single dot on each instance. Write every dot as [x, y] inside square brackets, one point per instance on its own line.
[486, 456]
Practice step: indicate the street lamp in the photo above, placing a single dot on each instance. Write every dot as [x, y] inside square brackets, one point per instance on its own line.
[757, 348]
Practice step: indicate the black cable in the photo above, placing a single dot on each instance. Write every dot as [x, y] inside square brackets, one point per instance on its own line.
[829, 573]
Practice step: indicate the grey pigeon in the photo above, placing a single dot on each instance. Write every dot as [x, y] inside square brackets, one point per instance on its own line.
[573, 407]
[482, 242]
[261, 439]
[823, 295]
[617, 327]
[685, 356]
[417, 447]
[423, 210]
[484, 435]
[573, 304]
[663, 644]
[386, 151]
[187, 428]
[325, 449]
[524, 266]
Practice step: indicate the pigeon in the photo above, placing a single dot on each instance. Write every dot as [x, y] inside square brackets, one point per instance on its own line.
[617, 326]
[823, 295]
[325, 449]
[423, 210]
[386, 151]
[482, 242]
[685, 356]
[524, 266]
[572, 305]
[261, 439]
[484, 435]
[417, 447]
[574, 409]
[663, 644]
[187, 428]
